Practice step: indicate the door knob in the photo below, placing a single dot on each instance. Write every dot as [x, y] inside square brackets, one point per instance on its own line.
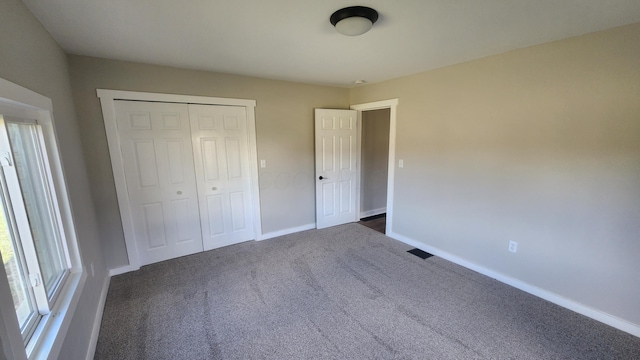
[322, 177]
[179, 192]
[214, 188]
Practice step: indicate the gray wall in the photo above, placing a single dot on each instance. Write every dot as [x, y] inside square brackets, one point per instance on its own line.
[32, 59]
[540, 146]
[375, 160]
[284, 126]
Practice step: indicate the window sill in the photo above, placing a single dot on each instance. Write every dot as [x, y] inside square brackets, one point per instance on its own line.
[50, 333]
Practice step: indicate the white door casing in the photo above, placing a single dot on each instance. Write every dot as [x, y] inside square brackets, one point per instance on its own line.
[392, 105]
[155, 140]
[219, 136]
[336, 175]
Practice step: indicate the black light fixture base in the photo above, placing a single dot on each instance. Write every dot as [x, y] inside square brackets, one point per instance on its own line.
[361, 11]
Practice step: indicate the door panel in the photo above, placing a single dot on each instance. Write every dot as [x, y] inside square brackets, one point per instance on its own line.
[328, 197]
[234, 163]
[153, 223]
[210, 159]
[180, 214]
[215, 215]
[175, 159]
[155, 142]
[335, 138]
[237, 211]
[221, 153]
[146, 162]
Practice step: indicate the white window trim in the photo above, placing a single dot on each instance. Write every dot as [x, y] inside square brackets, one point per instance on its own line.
[47, 340]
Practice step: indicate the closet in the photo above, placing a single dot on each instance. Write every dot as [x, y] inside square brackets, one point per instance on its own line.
[187, 175]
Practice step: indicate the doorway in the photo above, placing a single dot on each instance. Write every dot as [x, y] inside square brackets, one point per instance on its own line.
[375, 190]
[374, 166]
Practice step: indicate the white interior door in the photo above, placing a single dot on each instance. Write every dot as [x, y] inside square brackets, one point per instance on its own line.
[335, 138]
[155, 140]
[220, 148]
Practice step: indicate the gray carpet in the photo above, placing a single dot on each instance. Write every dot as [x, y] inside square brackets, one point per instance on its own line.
[346, 292]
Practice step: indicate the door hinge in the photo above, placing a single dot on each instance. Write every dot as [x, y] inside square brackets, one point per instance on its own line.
[35, 280]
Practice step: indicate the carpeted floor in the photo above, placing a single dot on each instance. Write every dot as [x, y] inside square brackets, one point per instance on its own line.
[346, 292]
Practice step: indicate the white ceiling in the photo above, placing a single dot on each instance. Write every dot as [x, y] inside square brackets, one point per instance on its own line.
[293, 39]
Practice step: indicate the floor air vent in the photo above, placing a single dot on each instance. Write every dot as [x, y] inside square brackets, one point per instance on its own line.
[419, 253]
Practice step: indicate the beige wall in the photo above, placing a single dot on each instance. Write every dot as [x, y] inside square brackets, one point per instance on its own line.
[284, 126]
[539, 146]
[375, 160]
[32, 59]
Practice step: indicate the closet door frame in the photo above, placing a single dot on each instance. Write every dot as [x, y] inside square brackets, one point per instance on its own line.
[107, 101]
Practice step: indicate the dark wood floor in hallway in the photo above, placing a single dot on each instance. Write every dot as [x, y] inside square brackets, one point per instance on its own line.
[376, 222]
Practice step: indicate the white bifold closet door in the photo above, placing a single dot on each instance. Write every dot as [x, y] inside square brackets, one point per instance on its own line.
[221, 153]
[186, 170]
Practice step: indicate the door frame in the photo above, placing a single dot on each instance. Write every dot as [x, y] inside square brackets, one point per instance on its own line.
[107, 101]
[392, 105]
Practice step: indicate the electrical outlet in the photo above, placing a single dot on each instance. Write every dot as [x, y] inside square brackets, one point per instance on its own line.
[513, 246]
[263, 163]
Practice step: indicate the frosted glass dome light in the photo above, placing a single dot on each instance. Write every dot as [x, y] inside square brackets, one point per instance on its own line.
[354, 20]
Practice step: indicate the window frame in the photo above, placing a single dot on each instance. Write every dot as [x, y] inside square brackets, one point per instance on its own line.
[21, 261]
[16, 202]
[46, 341]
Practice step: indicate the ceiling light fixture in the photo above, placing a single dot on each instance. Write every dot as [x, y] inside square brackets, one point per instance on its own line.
[354, 20]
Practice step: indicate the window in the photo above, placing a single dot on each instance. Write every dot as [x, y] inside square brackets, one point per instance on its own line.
[40, 255]
[30, 229]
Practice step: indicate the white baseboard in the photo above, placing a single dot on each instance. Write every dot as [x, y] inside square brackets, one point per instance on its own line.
[374, 212]
[129, 268]
[611, 320]
[97, 321]
[122, 270]
[286, 231]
